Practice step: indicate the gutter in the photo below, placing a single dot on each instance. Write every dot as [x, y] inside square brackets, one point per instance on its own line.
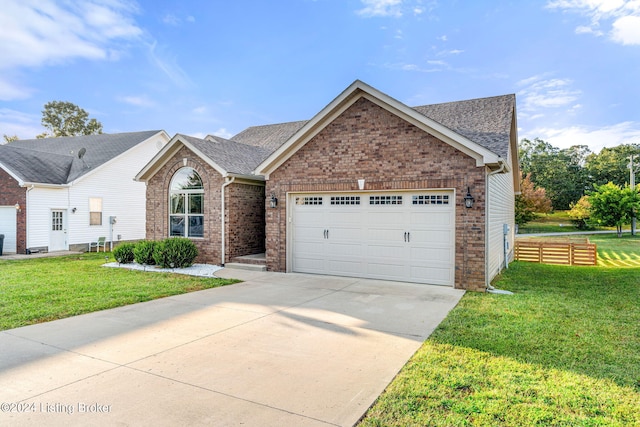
[227, 182]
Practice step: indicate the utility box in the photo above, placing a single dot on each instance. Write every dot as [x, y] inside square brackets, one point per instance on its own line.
[1, 243]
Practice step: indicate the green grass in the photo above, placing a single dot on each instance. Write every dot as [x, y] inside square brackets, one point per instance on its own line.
[556, 222]
[44, 289]
[564, 350]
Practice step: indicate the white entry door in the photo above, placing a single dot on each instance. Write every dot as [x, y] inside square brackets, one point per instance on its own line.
[8, 228]
[58, 231]
[406, 236]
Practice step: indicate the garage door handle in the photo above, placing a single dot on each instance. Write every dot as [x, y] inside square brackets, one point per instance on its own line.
[408, 236]
[405, 236]
[327, 234]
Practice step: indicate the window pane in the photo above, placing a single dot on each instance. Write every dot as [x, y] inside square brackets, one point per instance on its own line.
[176, 225]
[195, 203]
[196, 226]
[95, 218]
[95, 204]
[177, 203]
[186, 179]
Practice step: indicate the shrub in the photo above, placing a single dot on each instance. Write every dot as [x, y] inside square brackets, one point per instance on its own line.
[175, 252]
[143, 252]
[123, 253]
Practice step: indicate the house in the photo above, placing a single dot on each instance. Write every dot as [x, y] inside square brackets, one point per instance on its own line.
[64, 193]
[369, 187]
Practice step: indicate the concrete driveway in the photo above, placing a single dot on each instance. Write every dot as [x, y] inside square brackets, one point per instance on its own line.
[276, 350]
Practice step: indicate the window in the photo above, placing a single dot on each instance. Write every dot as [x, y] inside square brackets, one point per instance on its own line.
[385, 200]
[186, 204]
[95, 210]
[309, 200]
[345, 200]
[432, 199]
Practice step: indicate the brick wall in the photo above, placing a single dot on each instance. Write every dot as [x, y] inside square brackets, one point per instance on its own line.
[368, 142]
[244, 219]
[158, 204]
[10, 194]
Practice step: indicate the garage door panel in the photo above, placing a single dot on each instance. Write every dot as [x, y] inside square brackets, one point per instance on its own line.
[430, 255]
[395, 252]
[310, 248]
[345, 250]
[310, 265]
[345, 234]
[431, 219]
[437, 238]
[344, 217]
[8, 228]
[385, 235]
[350, 268]
[309, 233]
[437, 276]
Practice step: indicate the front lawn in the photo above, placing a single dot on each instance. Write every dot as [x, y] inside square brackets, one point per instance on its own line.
[556, 222]
[42, 289]
[563, 350]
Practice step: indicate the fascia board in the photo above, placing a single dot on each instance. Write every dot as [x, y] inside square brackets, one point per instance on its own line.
[258, 178]
[169, 150]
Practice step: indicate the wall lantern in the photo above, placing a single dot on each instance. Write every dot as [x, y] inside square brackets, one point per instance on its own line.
[18, 207]
[273, 202]
[468, 199]
[74, 210]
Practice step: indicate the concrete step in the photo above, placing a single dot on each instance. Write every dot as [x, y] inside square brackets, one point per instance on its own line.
[258, 259]
[243, 266]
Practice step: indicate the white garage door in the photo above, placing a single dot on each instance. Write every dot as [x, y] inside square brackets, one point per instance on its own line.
[392, 236]
[8, 228]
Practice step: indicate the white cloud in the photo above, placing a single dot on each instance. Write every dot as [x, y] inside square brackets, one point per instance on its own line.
[25, 126]
[10, 91]
[40, 32]
[626, 30]
[223, 133]
[539, 93]
[380, 8]
[168, 66]
[137, 101]
[595, 138]
[623, 16]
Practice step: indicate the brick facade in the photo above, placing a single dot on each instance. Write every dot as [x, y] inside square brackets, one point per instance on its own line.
[10, 194]
[244, 218]
[367, 142]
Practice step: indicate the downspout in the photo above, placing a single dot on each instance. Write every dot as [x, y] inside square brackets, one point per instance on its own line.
[222, 213]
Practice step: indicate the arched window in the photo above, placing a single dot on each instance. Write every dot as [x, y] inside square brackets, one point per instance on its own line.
[186, 206]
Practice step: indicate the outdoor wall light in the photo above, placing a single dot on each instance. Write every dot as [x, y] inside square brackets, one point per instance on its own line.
[273, 202]
[468, 199]
[74, 210]
[18, 207]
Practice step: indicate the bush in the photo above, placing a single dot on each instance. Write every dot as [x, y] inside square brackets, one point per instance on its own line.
[123, 253]
[143, 252]
[175, 252]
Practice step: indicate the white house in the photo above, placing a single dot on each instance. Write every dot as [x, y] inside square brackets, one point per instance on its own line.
[64, 193]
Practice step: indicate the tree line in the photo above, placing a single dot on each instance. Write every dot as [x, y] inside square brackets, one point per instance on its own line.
[592, 185]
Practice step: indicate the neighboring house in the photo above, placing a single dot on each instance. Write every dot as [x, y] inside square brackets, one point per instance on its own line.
[60, 193]
[369, 187]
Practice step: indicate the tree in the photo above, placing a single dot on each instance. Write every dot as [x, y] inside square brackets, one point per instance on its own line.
[66, 119]
[580, 213]
[613, 205]
[530, 202]
[611, 164]
[11, 138]
[560, 172]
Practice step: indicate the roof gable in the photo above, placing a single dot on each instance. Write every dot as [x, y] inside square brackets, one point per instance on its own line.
[228, 158]
[481, 153]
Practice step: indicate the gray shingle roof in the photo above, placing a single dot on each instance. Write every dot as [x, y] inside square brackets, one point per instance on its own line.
[269, 136]
[231, 156]
[55, 160]
[485, 121]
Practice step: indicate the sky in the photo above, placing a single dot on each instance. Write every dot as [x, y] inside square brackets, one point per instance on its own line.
[200, 67]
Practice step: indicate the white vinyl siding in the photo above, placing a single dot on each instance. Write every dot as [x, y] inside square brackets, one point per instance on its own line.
[500, 212]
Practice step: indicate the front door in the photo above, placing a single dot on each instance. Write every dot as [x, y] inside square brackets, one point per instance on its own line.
[58, 230]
